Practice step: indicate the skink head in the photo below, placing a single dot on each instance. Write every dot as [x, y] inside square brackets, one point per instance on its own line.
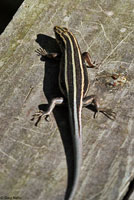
[60, 30]
[60, 35]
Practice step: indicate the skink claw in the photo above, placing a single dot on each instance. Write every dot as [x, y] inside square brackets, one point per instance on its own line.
[41, 52]
[41, 114]
[108, 113]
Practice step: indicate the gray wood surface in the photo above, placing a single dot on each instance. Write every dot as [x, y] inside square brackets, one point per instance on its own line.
[32, 158]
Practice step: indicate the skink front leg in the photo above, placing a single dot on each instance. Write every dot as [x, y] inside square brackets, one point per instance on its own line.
[53, 56]
[40, 114]
[87, 59]
[93, 99]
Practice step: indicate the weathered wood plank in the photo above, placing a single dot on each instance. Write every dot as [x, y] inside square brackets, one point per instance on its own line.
[32, 159]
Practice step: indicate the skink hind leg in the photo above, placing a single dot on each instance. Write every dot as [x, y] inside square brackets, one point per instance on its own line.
[40, 114]
[108, 113]
[93, 100]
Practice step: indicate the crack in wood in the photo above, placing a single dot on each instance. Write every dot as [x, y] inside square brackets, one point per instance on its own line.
[129, 191]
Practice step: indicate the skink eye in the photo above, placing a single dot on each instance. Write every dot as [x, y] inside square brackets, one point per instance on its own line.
[55, 28]
[65, 29]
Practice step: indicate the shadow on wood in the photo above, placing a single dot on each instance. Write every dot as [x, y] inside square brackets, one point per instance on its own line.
[51, 90]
